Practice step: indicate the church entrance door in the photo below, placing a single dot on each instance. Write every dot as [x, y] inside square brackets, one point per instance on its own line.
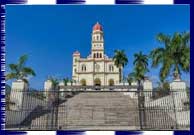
[97, 83]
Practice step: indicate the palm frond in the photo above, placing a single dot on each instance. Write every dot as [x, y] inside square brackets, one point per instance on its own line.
[28, 71]
[19, 71]
[13, 67]
[25, 80]
[10, 76]
[22, 60]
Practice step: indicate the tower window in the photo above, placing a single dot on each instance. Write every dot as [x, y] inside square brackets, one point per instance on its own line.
[84, 68]
[75, 70]
[100, 55]
[111, 68]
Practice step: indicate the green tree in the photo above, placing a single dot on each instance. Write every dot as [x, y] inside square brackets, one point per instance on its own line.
[54, 93]
[130, 78]
[120, 60]
[65, 81]
[19, 71]
[71, 81]
[174, 56]
[55, 83]
[140, 66]
[163, 89]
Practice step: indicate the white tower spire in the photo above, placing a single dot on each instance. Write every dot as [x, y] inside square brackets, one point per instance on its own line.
[97, 42]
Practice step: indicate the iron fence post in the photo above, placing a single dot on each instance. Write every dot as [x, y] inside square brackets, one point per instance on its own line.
[56, 109]
[139, 105]
[174, 108]
[52, 110]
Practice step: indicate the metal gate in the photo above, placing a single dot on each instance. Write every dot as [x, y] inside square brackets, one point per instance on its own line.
[102, 108]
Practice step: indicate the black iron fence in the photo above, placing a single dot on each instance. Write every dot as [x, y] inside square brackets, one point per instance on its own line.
[97, 108]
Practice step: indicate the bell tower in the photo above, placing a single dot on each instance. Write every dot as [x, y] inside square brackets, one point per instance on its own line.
[97, 49]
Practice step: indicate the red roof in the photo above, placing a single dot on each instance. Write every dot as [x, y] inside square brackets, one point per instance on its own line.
[97, 26]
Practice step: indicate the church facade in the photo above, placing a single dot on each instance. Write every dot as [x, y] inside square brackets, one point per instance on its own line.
[97, 68]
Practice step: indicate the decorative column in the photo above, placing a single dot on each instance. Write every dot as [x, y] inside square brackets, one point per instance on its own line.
[61, 88]
[18, 91]
[133, 91]
[178, 89]
[147, 88]
[48, 86]
[180, 97]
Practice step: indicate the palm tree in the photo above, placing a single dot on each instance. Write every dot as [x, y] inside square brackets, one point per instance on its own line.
[120, 60]
[71, 81]
[54, 101]
[130, 78]
[19, 71]
[141, 66]
[163, 89]
[54, 93]
[65, 81]
[174, 56]
[55, 83]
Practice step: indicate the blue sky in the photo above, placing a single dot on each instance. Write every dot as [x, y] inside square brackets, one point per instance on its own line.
[50, 34]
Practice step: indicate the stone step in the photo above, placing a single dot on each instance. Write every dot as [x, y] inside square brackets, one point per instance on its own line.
[96, 109]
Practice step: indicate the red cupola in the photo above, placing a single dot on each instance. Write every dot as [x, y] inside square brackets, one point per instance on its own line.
[97, 26]
[76, 53]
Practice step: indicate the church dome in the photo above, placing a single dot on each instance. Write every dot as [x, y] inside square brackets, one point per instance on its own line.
[97, 26]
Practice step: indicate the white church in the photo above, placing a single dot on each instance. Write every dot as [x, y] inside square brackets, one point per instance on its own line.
[97, 68]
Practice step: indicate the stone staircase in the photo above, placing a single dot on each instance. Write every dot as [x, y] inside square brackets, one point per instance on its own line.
[94, 110]
[99, 110]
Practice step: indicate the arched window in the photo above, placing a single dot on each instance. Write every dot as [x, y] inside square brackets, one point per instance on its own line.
[83, 67]
[100, 55]
[111, 68]
[97, 55]
[97, 37]
[75, 70]
[83, 82]
[111, 82]
[97, 82]
[76, 60]
[94, 55]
